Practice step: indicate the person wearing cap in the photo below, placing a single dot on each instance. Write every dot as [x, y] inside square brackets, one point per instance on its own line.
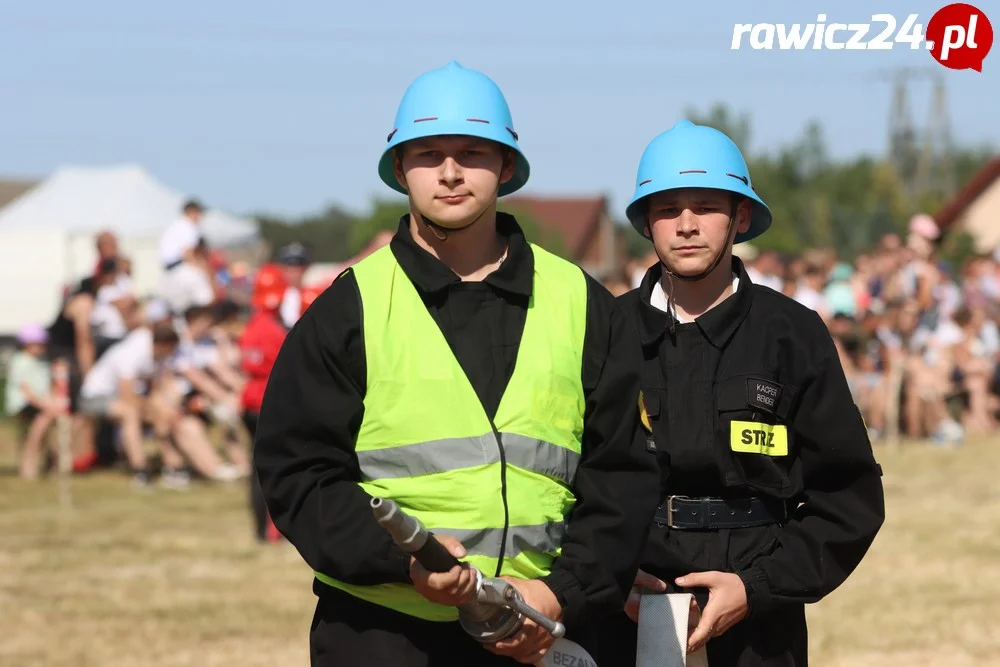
[294, 260]
[260, 343]
[770, 493]
[29, 396]
[487, 386]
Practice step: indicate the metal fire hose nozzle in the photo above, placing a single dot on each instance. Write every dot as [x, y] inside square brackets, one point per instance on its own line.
[497, 612]
[501, 594]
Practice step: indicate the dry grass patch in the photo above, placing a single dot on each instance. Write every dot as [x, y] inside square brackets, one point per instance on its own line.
[164, 579]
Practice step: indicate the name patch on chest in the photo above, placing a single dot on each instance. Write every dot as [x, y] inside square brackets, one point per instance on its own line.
[758, 438]
[763, 395]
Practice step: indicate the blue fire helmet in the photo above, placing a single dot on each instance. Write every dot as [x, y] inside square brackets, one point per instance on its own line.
[457, 101]
[695, 156]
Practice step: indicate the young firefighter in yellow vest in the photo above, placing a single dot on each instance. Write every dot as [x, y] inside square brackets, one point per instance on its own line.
[485, 385]
[770, 495]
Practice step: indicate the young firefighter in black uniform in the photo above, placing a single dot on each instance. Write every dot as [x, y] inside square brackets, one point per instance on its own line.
[487, 386]
[770, 492]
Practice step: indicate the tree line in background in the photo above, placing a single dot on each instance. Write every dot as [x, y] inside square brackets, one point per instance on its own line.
[816, 201]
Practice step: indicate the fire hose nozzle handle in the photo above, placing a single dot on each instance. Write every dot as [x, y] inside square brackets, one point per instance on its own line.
[498, 610]
[555, 628]
[500, 591]
[412, 537]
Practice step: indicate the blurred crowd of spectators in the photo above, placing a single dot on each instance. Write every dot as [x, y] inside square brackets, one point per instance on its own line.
[155, 381]
[162, 379]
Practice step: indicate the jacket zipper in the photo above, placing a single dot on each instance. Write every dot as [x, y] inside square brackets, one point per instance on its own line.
[503, 495]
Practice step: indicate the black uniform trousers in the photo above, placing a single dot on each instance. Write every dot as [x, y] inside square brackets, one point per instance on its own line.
[348, 631]
[777, 638]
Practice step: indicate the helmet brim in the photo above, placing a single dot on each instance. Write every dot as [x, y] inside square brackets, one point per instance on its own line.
[760, 215]
[437, 128]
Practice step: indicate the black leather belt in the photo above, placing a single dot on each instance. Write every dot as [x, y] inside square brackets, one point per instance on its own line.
[683, 512]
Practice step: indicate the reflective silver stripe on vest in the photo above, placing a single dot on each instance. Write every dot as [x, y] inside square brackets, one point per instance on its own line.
[435, 456]
[543, 538]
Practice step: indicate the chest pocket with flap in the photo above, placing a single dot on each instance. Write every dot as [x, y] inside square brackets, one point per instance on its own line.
[755, 423]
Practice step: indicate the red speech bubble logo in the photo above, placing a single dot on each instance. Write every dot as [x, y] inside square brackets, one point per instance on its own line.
[960, 36]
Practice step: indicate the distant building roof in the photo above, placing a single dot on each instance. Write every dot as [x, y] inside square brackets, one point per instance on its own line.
[11, 189]
[976, 185]
[576, 219]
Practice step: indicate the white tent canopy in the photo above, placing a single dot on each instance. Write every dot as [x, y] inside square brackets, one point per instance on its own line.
[125, 199]
[47, 235]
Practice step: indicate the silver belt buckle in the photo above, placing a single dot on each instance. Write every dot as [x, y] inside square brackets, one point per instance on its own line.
[670, 511]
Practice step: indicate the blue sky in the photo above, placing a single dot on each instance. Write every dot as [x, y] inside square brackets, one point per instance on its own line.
[261, 106]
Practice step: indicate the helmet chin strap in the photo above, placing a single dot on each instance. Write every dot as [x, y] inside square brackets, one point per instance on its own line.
[671, 305]
[712, 267]
[439, 230]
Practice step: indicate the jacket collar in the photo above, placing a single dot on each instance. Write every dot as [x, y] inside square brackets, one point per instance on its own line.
[717, 325]
[430, 275]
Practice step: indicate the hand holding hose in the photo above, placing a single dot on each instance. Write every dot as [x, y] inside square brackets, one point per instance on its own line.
[496, 611]
[455, 587]
[530, 644]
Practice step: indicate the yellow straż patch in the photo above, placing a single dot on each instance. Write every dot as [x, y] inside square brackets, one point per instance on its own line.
[758, 438]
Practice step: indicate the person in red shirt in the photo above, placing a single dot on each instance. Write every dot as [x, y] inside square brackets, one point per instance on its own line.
[308, 295]
[260, 343]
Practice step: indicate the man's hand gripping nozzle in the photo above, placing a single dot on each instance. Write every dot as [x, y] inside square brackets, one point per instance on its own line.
[498, 612]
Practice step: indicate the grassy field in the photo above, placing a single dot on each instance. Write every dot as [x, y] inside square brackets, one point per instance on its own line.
[164, 578]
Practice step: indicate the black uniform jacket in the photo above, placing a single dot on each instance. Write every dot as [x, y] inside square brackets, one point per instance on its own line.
[714, 388]
[313, 407]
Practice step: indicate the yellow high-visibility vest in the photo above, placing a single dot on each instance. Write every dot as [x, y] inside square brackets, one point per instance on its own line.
[426, 441]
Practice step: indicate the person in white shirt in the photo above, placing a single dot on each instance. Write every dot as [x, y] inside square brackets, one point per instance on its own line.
[115, 387]
[183, 254]
[181, 237]
[189, 284]
[809, 291]
[107, 320]
[124, 281]
[766, 271]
